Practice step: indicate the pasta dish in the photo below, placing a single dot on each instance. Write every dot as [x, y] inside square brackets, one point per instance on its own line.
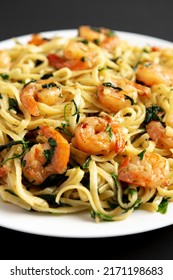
[86, 124]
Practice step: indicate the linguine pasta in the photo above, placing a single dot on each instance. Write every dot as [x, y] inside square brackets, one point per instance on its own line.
[86, 125]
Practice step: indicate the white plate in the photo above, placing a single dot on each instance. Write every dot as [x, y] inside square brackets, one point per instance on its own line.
[81, 225]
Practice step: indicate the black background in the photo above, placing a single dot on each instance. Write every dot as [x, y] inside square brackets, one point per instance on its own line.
[154, 18]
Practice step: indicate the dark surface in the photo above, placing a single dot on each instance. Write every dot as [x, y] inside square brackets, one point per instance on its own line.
[152, 18]
[153, 245]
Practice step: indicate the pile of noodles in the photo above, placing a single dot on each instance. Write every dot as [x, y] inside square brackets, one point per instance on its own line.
[90, 182]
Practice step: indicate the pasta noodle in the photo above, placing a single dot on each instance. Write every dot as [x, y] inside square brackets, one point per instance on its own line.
[86, 125]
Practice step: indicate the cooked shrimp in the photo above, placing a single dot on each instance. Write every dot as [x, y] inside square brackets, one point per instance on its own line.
[76, 50]
[37, 40]
[95, 135]
[44, 159]
[104, 37]
[157, 133]
[77, 56]
[119, 94]
[151, 172]
[4, 60]
[153, 73]
[45, 91]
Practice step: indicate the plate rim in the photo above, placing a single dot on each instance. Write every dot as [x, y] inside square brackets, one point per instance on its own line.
[74, 31]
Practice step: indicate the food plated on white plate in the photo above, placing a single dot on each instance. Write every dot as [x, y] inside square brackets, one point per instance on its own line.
[86, 124]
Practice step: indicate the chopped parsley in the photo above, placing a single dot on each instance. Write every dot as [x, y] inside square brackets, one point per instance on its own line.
[141, 154]
[12, 143]
[48, 154]
[123, 203]
[4, 76]
[132, 191]
[53, 180]
[63, 128]
[31, 81]
[86, 163]
[96, 41]
[112, 86]
[163, 206]
[115, 177]
[46, 76]
[13, 104]
[129, 98]
[76, 111]
[153, 113]
[101, 216]
[85, 42]
[109, 129]
[50, 85]
[11, 192]
[38, 62]
[51, 200]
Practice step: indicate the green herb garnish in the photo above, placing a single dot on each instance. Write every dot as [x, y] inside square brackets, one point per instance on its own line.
[46, 76]
[50, 85]
[110, 33]
[154, 113]
[51, 200]
[38, 62]
[132, 191]
[109, 129]
[76, 111]
[4, 76]
[124, 205]
[115, 177]
[50, 152]
[96, 41]
[86, 163]
[13, 143]
[85, 42]
[112, 86]
[101, 216]
[63, 128]
[163, 206]
[141, 154]
[129, 98]
[13, 104]
[11, 192]
[31, 81]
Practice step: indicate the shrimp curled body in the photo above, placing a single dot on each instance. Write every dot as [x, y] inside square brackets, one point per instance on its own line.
[76, 56]
[35, 168]
[104, 37]
[120, 94]
[151, 171]
[95, 135]
[44, 91]
[157, 133]
[152, 73]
